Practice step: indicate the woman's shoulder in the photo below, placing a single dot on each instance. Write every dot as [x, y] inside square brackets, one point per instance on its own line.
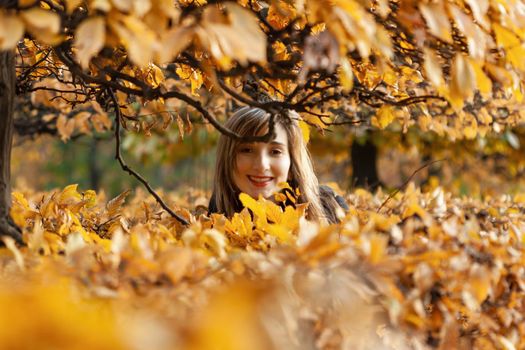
[326, 193]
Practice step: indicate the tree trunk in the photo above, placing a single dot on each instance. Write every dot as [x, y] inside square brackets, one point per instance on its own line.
[364, 165]
[7, 101]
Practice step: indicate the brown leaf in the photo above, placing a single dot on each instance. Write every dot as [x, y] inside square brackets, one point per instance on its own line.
[89, 39]
[113, 206]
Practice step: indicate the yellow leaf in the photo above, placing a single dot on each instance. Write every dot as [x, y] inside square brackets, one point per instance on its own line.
[155, 76]
[463, 81]
[242, 39]
[65, 127]
[193, 75]
[505, 37]
[385, 116]
[305, 131]
[137, 7]
[19, 258]
[253, 38]
[282, 233]
[72, 5]
[480, 283]
[89, 39]
[470, 131]
[433, 68]
[484, 84]
[290, 218]
[242, 224]
[140, 41]
[91, 197]
[173, 42]
[239, 303]
[479, 10]
[280, 13]
[274, 213]
[114, 205]
[40, 19]
[437, 20]
[69, 194]
[346, 76]
[180, 125]
[256, 207]
[215, 240]
[515, 56]
[281, 53]
[11, 31]
[21, 200]
[44, 25]
[378, 245]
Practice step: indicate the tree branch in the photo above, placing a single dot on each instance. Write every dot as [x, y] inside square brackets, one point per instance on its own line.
[407, 181]
[126, 168]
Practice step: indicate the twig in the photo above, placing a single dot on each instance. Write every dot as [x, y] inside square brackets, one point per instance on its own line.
[407, 181]
[125, 167]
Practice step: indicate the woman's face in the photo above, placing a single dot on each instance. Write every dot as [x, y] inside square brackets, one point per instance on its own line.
[260, 166]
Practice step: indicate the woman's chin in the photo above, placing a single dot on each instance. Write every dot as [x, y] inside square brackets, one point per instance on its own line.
[263, 193]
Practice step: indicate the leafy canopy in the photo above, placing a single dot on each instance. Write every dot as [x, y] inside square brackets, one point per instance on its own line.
[453, 67]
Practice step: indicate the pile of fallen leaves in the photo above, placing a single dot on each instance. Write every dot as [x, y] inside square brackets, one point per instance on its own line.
[411, 271]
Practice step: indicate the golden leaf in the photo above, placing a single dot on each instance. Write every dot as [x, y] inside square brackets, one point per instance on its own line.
[241, 40]
[280, 13]
[385, 116]
[72, 5]
[155, 76]
[463, 81]
[89, 39]
[193, 75]
[505, 37]
[305, 131]
[479, 10]
[433, 68]
[11, 31]
[44, 25]
[173, 42]
[180, 125]
[69, 194]
[437, 20]
[346, 76]
[140, 41]
[65, 127]
[256, 207]
[113, 206]
[378, 245]
[40, 19]
[137, 7]
[483, 83]
[11, 245]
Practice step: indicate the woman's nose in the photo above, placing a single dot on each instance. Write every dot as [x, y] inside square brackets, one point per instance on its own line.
[262, 161]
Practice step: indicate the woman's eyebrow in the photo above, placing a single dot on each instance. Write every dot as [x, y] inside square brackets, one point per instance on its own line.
[277, 143]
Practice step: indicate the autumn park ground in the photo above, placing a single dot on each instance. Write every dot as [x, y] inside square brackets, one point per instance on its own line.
[412, 269]
[413, 111]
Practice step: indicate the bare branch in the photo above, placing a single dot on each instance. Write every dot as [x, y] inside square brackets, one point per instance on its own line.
[126, 168]
[407, 181]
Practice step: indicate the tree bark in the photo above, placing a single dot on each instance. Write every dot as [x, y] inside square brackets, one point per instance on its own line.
[7, 101]
[364, 165]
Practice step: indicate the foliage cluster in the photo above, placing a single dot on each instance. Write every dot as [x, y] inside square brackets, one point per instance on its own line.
[451, 67]
[417, 270]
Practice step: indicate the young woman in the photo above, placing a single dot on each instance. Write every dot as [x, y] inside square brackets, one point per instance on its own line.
[257, 168]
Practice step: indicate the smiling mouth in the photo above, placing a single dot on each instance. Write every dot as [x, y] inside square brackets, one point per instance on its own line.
[260, 181]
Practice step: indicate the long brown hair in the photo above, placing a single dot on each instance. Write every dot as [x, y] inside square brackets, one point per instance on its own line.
[249, 121]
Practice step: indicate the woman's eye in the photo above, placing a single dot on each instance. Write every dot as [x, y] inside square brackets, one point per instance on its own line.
[245, 150]
[277, 152]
